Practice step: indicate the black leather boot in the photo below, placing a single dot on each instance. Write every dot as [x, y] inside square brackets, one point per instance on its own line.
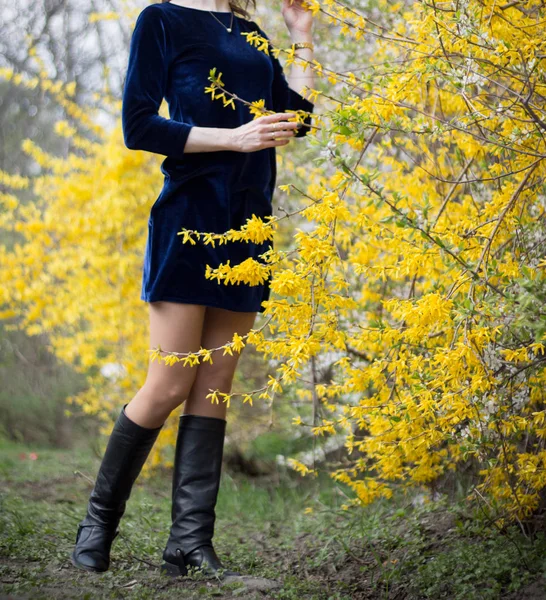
[196, 481]
[127, 450]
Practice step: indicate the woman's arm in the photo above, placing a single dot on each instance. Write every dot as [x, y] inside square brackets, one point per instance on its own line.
[252, 136]
[287, 96]
[299, 22]
[297, 77]
[144, 90]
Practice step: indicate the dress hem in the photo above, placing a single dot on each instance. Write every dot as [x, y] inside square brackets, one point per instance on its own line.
[196, 301]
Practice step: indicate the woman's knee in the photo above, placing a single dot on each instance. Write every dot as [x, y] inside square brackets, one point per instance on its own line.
[166, 396]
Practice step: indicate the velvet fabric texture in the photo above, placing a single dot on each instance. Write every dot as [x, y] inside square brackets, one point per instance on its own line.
[172, 51]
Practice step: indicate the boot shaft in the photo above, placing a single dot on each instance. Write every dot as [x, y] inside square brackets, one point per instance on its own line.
[126, 452]
[196, 482]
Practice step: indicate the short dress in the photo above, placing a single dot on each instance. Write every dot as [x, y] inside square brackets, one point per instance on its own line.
[171, 53]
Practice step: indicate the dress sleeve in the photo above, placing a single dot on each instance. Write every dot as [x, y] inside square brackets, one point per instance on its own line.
[284, 97]
[144, 89]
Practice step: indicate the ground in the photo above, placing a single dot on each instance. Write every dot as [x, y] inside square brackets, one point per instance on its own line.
[401, 550]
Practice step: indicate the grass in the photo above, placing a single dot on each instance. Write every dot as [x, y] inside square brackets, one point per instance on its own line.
[397, 550]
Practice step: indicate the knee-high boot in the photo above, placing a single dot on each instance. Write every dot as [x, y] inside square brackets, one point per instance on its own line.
[196, 481]
[126, 452]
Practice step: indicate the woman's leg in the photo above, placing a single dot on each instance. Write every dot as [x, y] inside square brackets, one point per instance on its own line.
[218, 329]
[176, 327]
[199, 450]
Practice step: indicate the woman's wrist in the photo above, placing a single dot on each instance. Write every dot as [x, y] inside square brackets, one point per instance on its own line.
[222, 138]
[301, 36]
[227, 139]
[210, 139]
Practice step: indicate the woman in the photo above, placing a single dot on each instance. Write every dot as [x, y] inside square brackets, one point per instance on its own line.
[219, 170]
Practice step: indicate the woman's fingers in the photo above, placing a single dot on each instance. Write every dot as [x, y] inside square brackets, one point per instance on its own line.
[267, 131]
[278, 121]
[277, 130]
[278, 133]
[274, 142]
[276, 117]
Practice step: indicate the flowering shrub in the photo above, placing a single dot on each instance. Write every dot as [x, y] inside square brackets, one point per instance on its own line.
[416, 273]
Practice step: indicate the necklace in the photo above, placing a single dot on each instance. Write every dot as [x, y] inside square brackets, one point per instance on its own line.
[230, 25]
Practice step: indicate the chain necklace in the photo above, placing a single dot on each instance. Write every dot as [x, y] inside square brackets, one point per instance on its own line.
[230, 25]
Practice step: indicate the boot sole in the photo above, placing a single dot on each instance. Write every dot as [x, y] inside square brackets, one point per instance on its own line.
[171, 570]
[174, 571]
[85, 567]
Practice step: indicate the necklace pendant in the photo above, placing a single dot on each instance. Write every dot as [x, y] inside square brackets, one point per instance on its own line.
[229, 29]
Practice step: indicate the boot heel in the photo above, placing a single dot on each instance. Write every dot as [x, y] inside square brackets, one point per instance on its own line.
[171, 570]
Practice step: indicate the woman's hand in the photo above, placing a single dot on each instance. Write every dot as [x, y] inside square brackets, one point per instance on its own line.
[297, 18]
[264, 132]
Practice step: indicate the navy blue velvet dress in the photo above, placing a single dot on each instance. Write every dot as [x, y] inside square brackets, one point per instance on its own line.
[172, 51]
